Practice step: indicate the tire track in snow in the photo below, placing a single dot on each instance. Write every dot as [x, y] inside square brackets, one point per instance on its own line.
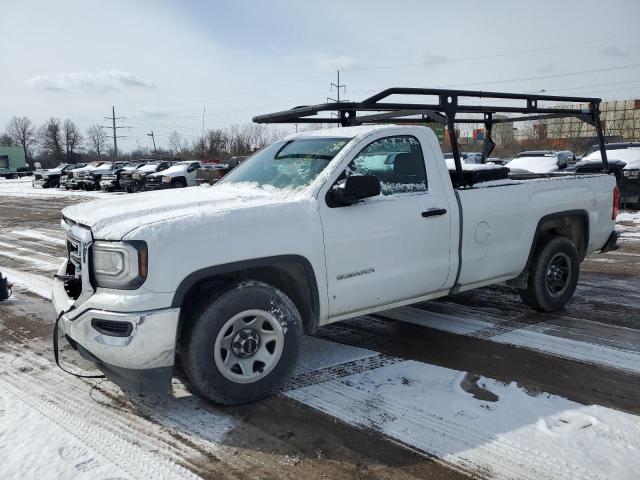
[521, 335]
[103, 430]
[437, 436]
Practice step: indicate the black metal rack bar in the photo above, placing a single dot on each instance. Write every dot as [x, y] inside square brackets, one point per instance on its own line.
[445, 112]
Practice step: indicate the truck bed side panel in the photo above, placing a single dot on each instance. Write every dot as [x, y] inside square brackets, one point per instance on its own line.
[499, 223]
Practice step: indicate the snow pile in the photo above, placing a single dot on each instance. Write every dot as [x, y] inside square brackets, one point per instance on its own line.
[633, 217]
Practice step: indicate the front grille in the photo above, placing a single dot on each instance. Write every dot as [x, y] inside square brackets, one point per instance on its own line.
[73, 249]
[154, 180]
[74, 267]
[111, 176]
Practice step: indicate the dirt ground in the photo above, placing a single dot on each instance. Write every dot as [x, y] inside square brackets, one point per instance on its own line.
[285, 437]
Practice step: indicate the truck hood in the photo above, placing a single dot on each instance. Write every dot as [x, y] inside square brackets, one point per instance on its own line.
[113, 219]
[175, 170]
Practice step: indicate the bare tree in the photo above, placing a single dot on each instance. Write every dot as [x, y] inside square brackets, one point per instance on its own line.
[72, 138]
[96, 139]
[50, 134]
[6, 140]
[177, 144]
[22, 132]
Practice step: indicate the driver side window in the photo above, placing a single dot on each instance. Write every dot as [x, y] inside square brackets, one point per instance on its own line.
[396, 161]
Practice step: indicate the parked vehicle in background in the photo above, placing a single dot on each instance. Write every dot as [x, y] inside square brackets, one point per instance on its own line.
[496, 161]
[135, 181]
[72, 182]
[110, 180]
[52, 177]
[210, 173]
[465, 157]
[541, 161]
[90, 179]
[179, 175]
[624, 162]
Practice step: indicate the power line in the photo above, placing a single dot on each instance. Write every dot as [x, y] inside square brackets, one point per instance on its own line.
[338, 87]
[544, 77]
[115, 128]
[494, 55]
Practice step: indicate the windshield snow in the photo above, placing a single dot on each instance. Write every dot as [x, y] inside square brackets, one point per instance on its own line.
[288, 164]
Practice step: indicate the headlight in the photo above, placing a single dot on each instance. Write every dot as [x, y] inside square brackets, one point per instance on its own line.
[166, 179]
[632, 172]
[121, 265]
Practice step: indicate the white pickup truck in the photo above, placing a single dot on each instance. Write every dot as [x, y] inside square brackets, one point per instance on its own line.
[316, 228]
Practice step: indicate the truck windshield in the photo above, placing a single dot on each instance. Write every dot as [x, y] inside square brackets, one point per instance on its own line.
[288, 164]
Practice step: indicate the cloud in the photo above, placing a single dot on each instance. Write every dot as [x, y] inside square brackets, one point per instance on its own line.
[154, 112]
[105, 81]
[326, 62]
[431, 59]
[614, 51]
[547, 68]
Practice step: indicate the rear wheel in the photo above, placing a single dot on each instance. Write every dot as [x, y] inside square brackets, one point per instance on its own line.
[553, 275]
[243, 345]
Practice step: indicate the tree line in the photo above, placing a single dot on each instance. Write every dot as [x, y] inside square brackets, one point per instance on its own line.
[57, 141]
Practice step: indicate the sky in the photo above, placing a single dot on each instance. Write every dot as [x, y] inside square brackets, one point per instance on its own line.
[163, 63]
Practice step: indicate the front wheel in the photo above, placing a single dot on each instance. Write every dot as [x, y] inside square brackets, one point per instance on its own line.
[553, 275]
[243, 345]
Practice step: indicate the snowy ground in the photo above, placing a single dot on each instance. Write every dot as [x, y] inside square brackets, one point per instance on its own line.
[472, 385]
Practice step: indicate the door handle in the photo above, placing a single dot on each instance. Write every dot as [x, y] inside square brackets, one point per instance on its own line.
[434, 212]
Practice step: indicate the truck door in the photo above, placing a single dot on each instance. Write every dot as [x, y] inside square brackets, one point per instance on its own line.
[191, 174]
[392, 247]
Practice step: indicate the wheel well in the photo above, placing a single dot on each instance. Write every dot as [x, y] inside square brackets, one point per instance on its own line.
[573, 225]
[290, 277]
[179, 179]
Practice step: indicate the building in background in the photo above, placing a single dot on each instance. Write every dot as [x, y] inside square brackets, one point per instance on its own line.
[12, 162]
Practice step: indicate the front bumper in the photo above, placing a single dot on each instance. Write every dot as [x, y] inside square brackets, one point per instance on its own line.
[157, 186]
[141, 361]
[630, 190]
[108, 184]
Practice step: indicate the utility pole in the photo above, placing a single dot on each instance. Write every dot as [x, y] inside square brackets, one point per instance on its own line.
[155, 152]
[338, 87]
[114, 128]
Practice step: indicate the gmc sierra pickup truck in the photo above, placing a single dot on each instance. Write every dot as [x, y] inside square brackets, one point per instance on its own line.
[316, 228]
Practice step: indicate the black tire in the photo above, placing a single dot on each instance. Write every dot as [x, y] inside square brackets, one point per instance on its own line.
[178, 184]
[553, 275]
[198, 344]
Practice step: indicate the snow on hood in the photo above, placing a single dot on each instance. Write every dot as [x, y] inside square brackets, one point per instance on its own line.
[177, 168]
[112, 219]
[631, 156]
[541, 164]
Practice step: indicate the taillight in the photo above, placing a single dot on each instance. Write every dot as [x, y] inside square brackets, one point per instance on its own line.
[616, 203]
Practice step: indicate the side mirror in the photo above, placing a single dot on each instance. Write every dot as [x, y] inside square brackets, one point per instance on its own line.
[355, 189]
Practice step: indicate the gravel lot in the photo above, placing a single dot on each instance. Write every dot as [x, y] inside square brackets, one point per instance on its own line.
[471, 385]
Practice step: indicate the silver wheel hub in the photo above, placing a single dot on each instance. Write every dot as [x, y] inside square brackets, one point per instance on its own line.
[245, 343]
[249, 346]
